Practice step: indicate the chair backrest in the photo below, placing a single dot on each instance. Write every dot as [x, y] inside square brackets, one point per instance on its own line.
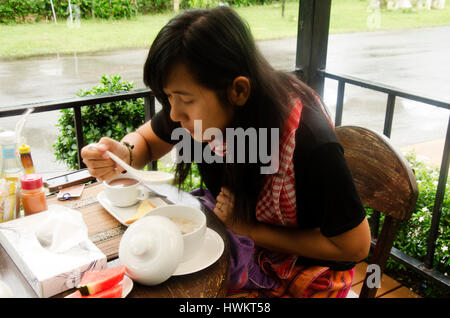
[385, 183]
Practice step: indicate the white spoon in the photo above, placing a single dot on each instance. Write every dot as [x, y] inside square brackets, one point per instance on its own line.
[146, 177]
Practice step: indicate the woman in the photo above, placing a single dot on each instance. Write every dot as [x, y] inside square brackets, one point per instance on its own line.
[297, 232]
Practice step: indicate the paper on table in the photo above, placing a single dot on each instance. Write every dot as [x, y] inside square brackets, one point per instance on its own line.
[61, 229]
[51, 249]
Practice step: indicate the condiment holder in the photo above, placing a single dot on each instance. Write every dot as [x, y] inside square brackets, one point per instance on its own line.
[153, 247]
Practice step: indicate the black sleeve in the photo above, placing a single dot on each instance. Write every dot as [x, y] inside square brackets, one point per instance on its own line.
[329, 196]
[162, 126]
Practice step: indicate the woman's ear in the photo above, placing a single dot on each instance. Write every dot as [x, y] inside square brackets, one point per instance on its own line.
[239, 91]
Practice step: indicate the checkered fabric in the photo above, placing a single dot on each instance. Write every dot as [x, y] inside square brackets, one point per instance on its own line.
[277, 201]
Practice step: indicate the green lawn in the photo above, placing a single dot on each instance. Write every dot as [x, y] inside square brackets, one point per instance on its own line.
[355, 16]
[24, 40]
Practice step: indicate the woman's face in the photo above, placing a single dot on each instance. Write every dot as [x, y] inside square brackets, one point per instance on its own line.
[190, 101]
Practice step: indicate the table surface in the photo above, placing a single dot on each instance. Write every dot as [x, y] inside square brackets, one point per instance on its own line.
[106, 232]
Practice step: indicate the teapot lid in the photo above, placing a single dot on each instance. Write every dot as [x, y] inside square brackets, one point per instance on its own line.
[151, 249]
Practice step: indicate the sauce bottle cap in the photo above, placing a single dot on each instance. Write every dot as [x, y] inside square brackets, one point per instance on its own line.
[24, 148]
[31, 181]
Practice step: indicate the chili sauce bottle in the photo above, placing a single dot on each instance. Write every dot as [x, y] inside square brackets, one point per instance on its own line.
[33, 195]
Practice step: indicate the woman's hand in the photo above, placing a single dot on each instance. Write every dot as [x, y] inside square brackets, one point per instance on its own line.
[224, 211]
[98, 162]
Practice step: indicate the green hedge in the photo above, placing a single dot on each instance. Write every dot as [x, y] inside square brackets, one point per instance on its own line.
[35, 10]
[22, 11]
[114, 120]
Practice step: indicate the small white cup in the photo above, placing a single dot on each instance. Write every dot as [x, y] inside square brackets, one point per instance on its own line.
[123, 191]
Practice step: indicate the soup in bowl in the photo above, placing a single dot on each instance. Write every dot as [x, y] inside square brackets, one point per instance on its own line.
[190, 221]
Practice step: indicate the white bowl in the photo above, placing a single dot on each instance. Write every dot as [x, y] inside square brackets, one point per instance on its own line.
[193, 240]
[151, 249]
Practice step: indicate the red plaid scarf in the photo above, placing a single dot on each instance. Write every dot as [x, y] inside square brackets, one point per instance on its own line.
[277, 202]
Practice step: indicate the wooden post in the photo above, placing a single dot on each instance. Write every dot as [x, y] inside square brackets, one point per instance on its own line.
[312, 41]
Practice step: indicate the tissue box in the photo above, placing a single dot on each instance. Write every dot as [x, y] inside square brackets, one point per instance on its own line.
[48, 272]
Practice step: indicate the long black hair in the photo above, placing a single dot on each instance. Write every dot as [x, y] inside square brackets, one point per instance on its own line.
[217, 46]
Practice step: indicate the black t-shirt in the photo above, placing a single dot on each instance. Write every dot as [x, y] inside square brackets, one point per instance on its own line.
[325, 192]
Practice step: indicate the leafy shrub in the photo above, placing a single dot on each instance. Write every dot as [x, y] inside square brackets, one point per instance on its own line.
[113, 120]
[153, 6]
[35, 10]
[21, 11]
[202, 3]
[18, 10]
[193, 181]
[412, 237]
[119, 9]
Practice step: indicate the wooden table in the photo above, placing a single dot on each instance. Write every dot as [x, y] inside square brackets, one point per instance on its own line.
[106, 232]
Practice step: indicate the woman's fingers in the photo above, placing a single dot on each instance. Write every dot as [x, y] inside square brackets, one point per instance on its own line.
[226, 194]
[103, 173]
[97, 159]
[98, 163]
[108, 175]
[221, 198]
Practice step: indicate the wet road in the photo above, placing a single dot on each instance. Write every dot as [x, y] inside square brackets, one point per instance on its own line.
[415, 60]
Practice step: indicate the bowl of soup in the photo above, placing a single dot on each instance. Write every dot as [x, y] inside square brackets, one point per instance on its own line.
[190, 221]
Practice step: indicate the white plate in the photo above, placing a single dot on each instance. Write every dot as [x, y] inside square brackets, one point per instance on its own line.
[208, 254]
[127, 286]
[123, 214]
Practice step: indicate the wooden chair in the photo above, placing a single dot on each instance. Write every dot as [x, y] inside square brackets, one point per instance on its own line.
[385, 183]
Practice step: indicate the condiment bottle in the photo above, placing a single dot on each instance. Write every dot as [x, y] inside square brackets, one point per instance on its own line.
[25, 158]
[11, 171]
[33, 195]
[5, 213]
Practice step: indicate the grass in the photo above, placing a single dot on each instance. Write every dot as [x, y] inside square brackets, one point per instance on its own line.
[356, 16]
[25, 40]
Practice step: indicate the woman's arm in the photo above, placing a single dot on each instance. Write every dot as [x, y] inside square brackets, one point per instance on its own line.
[350, 246]
[147, 147]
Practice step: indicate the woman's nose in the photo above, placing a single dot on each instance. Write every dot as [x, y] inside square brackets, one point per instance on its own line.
[176, 114]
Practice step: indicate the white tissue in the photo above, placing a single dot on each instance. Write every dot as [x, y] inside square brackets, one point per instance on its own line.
[61, 230]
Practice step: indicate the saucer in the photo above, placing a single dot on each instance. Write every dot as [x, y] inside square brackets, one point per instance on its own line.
[208, 254]
[123, 214]
[127, 286]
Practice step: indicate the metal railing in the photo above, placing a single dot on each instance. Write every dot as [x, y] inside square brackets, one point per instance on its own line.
[310, 67]
[77, 103]
[426, 268]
